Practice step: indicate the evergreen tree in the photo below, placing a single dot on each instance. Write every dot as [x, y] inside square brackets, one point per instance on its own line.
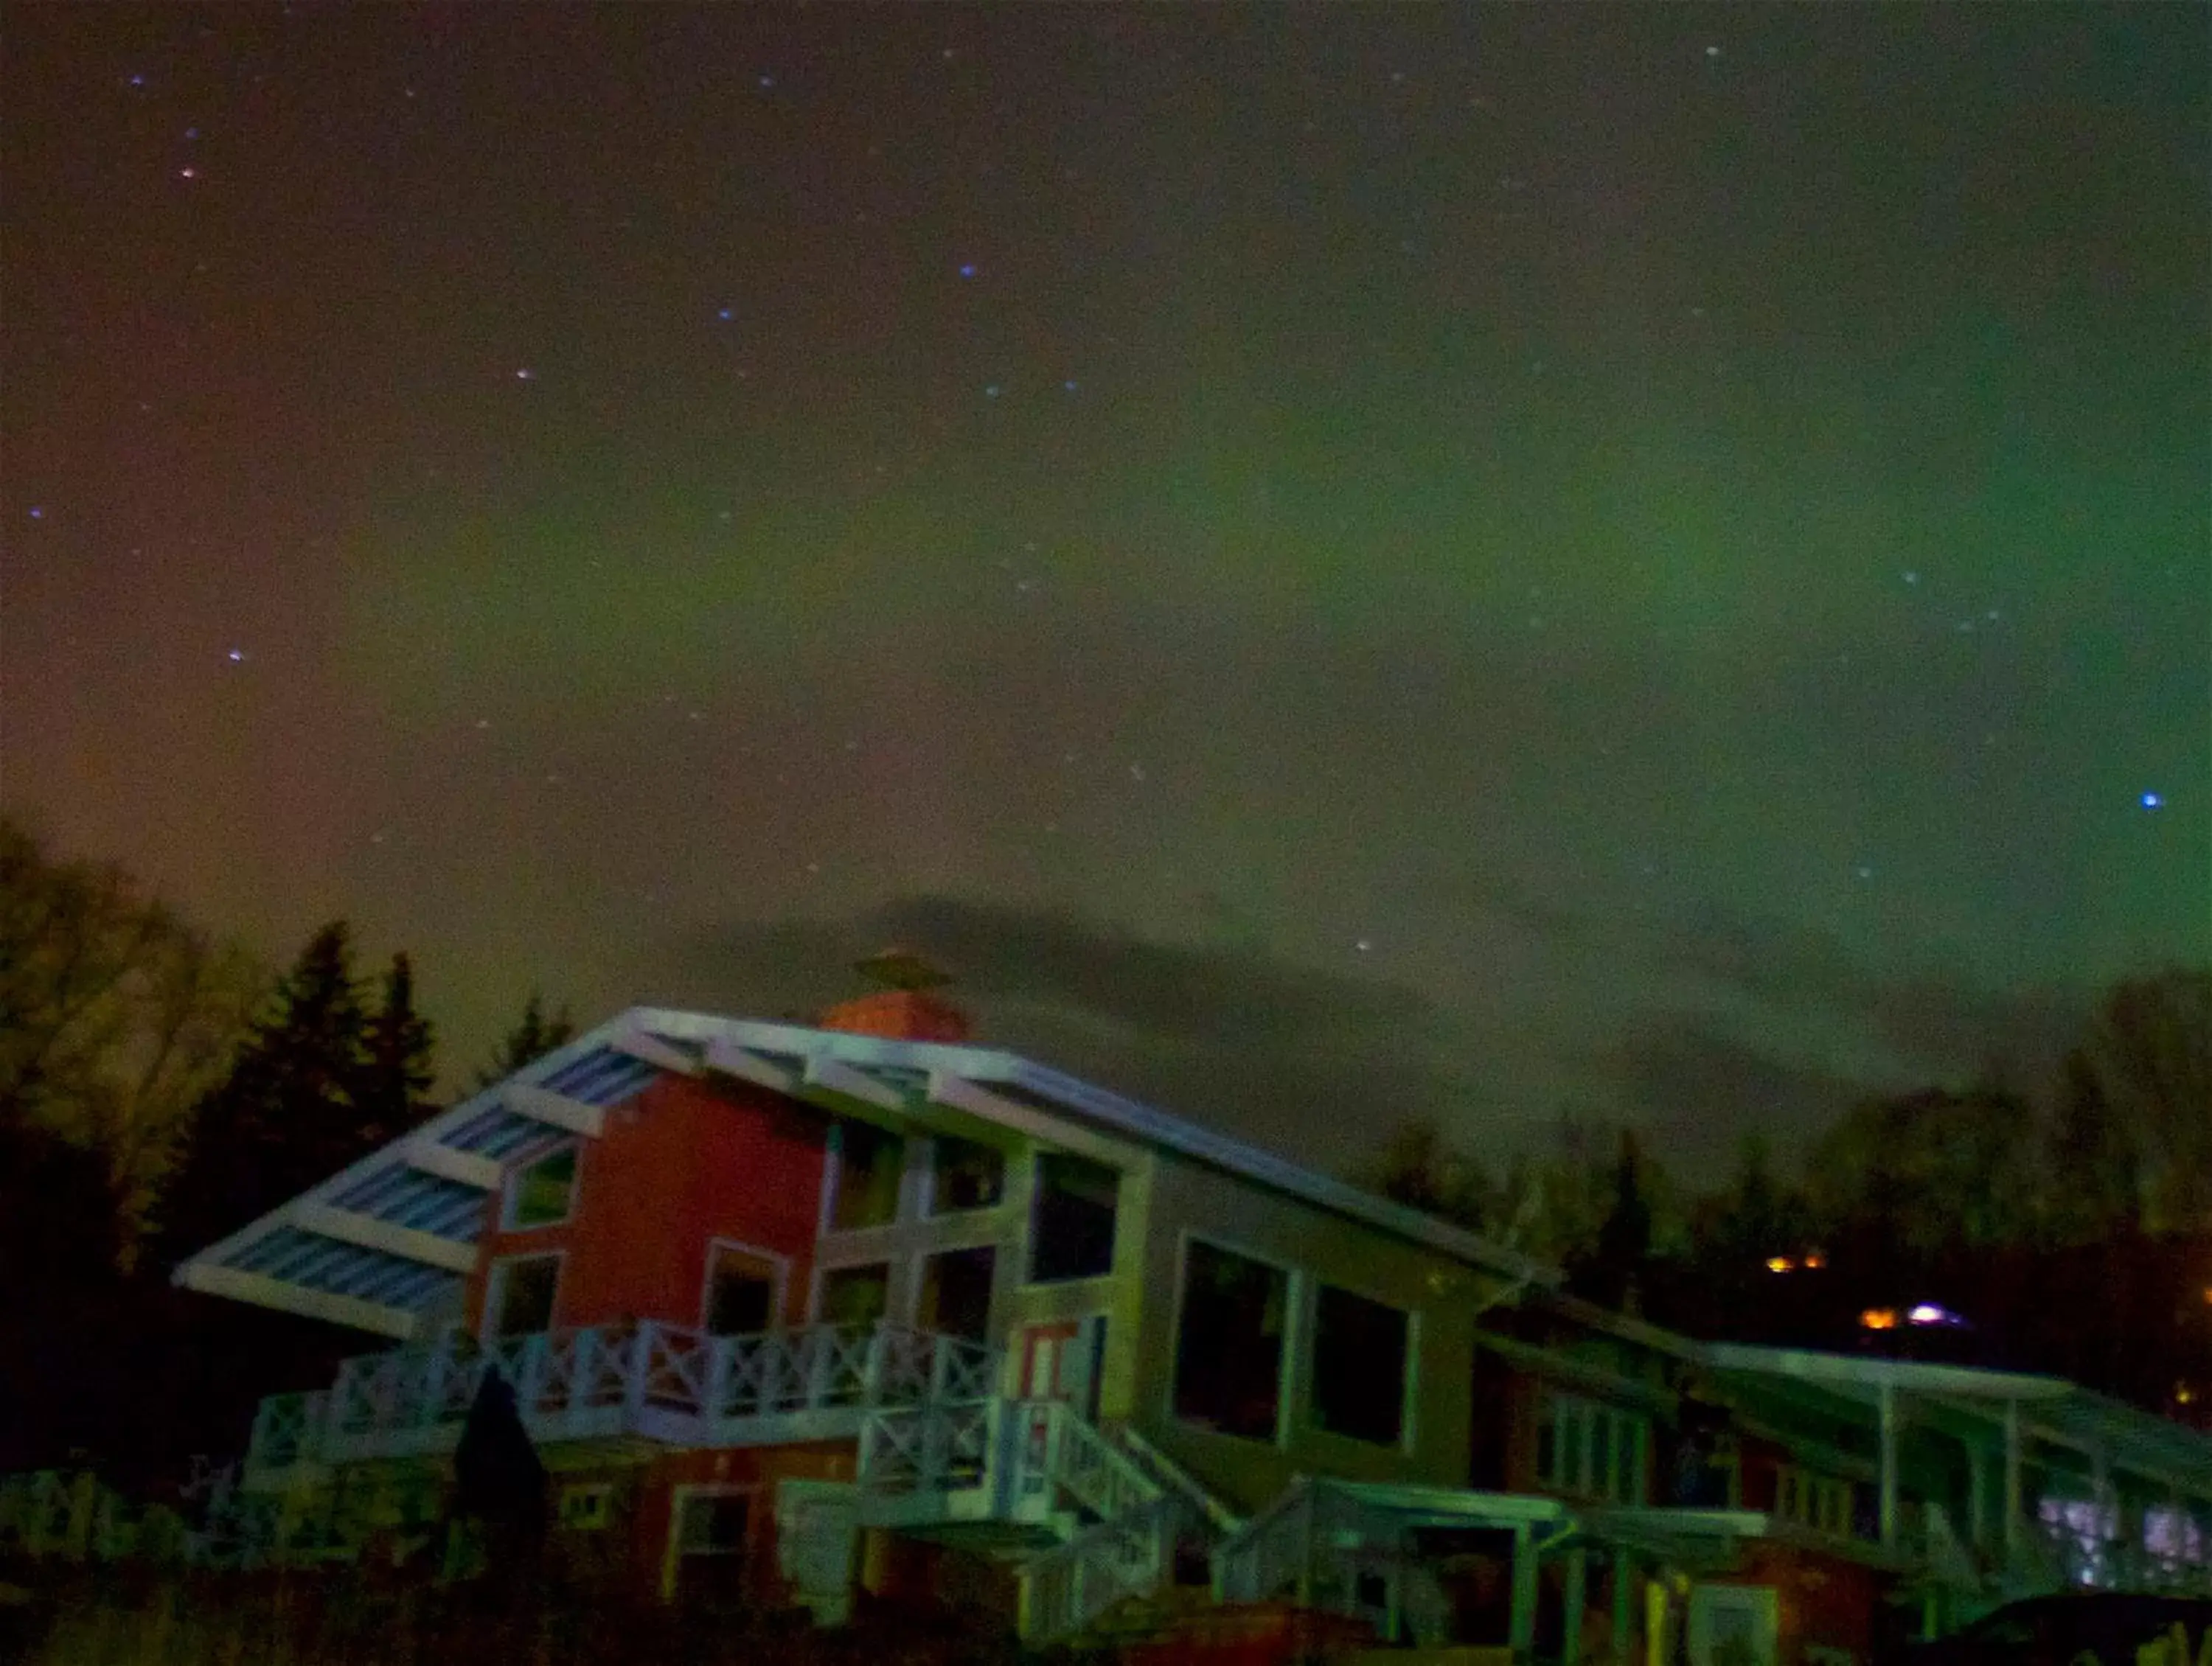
[397, 1066]
[1612, 1272]
[287, 1116]
[534, 1035]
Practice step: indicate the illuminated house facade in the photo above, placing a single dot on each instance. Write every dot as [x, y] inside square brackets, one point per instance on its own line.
[792, 1312]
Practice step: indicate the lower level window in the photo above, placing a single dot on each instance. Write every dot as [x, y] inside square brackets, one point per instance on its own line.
[1588, 1450]
[1229, 1347]
[713, 1532]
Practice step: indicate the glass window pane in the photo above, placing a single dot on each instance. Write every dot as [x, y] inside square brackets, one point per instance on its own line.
[542, 1192]
[1229, 1351]
[869, 1164]
[856, 1295]
[1359, 1367]
[1073, 1226]
[523, 1294]
[969, 1176]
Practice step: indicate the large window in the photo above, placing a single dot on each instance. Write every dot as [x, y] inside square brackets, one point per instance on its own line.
[520, 1300]
[1229, 1346]
[965, 1175]
[1073, 1224]
[1359, 1357]
[870, 1163]
[543, 1193]
[1589, 1450]
[955, 1298]
[1823, 1503]
[856, 1295]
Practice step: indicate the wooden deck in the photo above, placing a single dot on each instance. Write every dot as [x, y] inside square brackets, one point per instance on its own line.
[660, 1383]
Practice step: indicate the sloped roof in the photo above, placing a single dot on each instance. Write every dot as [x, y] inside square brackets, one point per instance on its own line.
[389, 1239]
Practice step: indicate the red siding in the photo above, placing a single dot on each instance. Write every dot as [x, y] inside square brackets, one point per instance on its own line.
[680, 1166]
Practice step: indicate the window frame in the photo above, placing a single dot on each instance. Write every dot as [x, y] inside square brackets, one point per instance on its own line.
[1288, 1416]
[1032, 1239]
[780, 1287]
[1409, 1366]
[510, 1188]
[494, 1297]
[836, 1167]
[679, 1496]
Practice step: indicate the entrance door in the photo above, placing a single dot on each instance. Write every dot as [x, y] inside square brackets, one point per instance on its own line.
[1733, 1626]
[1060, 1360]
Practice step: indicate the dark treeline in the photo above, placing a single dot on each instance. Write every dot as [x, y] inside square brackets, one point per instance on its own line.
[158, 1091]
[2075, 1239]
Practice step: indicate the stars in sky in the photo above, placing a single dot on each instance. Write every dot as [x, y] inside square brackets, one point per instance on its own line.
[1299, 397]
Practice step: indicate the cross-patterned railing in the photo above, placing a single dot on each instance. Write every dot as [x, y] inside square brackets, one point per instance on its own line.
[663, 1380]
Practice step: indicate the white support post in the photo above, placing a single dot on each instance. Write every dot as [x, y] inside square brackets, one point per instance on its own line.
[1978, 1495]
[1523, 1633]
[1887, 1404]
[2013, 1502]
[1578, 1597]
[1624, 1588]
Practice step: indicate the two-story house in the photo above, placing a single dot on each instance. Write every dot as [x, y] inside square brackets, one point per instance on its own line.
[791, 1311]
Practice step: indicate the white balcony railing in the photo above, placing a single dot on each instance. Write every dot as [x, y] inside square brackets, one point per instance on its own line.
[664, 1382]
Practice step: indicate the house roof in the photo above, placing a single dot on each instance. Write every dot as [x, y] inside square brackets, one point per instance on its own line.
[2050, 1409]
[387, 1241]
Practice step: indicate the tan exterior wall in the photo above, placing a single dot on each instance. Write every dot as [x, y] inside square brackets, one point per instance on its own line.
[1443, 1296]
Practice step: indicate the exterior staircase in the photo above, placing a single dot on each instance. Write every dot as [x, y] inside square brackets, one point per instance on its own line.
[1091, 1520]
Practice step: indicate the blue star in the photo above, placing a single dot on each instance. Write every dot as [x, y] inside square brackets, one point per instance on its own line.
[2153, 801]
[1070, 384]
[727, 313]
[38, 512]
[968, 269]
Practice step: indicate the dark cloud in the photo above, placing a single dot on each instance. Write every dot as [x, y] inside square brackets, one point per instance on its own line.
[1321, 1065]
[1701, 1090]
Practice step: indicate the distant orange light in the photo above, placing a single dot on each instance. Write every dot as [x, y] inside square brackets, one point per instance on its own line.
[1780, 1264]
[1815, 1260]
[1878, 1319]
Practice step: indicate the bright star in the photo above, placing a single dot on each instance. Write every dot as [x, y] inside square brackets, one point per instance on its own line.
[2153, 801]
[968, 270]
[726, 314]
[526, 374]
[38, 512]
[236, 656]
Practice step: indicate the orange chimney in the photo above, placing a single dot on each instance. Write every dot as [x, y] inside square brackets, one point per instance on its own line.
[902, 1009]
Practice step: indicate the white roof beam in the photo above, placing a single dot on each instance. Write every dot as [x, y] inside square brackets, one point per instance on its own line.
[554, 1110]
[649, 1049]
[838, 1078]
[464, 1168]
[368, 1232]
[725, 1057]
[262, 1291]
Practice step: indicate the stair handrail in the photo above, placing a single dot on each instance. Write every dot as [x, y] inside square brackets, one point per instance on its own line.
[1065, 1589]
[1225, 1521]
[1287, 1523]
[1078, 1452]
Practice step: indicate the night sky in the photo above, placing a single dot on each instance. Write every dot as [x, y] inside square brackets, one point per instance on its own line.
[1650, 560]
